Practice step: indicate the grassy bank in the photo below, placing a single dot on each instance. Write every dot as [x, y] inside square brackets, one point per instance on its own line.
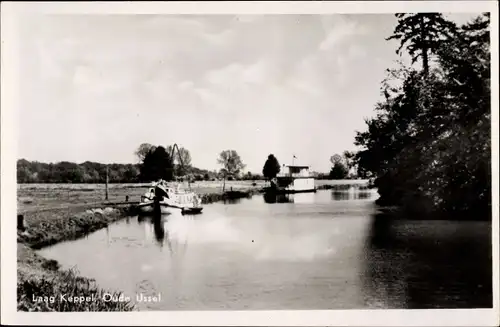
[42, 286]
[53, 226]
[55, 213]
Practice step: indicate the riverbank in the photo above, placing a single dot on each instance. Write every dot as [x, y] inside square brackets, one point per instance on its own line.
[60, 212]
[56, 213]
[41, 284]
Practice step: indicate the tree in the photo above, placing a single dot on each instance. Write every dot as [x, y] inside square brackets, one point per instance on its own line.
[231, 163]
[157, 164]
[429, 146]
[181, 159]
[271, 167]
[143, 150]
[422, 34]
[339, 169]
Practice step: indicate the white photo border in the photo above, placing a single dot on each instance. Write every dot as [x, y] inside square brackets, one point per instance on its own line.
[13, 12]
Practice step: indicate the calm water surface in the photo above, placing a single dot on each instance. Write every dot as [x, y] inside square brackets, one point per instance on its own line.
[327, 250]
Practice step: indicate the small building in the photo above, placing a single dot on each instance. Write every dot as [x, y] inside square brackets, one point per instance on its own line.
[294, 179]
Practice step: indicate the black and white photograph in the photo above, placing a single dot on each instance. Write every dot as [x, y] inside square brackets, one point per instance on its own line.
[236, 162]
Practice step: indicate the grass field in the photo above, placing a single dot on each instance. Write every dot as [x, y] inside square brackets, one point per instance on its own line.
[40, 197]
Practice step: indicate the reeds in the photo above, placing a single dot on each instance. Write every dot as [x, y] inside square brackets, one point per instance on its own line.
[52, 292]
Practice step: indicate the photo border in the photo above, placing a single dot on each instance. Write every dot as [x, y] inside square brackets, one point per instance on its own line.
[13, 12]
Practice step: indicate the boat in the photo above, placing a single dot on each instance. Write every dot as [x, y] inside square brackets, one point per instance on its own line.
[169, 199]
[293, 179]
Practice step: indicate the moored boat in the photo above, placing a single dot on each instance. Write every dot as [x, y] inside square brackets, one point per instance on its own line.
[293, 179]
[170, 199]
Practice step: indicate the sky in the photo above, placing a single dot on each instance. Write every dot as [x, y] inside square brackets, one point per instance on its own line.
[94, 87]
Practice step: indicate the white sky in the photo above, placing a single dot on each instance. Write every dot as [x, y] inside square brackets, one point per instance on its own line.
[96, 87]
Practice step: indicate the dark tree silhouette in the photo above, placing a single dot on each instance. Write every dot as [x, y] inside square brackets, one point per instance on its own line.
[143, 150]
[157, 164]
[422, 33]
[339, 171]
[429, 146]
[271, 167]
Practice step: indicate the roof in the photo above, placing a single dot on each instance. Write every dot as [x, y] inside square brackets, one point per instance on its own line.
[297, 166]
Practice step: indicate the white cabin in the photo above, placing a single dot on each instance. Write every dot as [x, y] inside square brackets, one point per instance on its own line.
[296, 179]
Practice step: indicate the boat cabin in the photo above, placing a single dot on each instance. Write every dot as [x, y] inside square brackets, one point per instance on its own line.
[295, 179]
[295, 171]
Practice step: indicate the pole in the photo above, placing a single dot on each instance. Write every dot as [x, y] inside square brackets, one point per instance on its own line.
[107, 181]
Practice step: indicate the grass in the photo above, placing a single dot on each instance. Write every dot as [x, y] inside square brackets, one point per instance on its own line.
[50, 227]
[40, 278]
[40, 197]
[66, 287]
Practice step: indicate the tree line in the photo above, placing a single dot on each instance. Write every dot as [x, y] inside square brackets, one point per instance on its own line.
[70, 172]
[168, 163]
[428, 149]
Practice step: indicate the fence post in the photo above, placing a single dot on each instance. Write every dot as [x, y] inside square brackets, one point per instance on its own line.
[107, 180]
[20, 222]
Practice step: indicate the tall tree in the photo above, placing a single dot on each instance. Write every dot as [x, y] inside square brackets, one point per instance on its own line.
[271, 167]
[231, 164]
[339, 169]
[429, 144]
[422, 33]
[143, 150]
[157, 164]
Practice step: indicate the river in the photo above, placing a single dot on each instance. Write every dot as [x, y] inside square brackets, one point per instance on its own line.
[323, 250]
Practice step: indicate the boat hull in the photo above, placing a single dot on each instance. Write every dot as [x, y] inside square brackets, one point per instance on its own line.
[191, 211]
[165, 208]
[289, 191]
[285, 191]
[148, 208]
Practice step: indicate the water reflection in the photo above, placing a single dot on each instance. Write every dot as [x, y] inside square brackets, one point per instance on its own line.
[272, 197]
[231, 201]
[351, 194]
[428, 264]
[289, 198]
[159, 230]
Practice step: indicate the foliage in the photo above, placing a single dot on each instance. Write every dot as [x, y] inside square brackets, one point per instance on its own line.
[62, 288]
[428, 146]
[338, 171]
[422, 33]
[157, 165]
[231, 163]
[342, 165]
[69, 172]
[143, 150]
[271, 167]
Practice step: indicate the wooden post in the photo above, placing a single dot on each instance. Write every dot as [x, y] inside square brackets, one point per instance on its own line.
[20, 222]
[107, 181]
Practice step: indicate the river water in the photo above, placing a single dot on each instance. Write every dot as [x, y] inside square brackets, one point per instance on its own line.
[324, 250]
